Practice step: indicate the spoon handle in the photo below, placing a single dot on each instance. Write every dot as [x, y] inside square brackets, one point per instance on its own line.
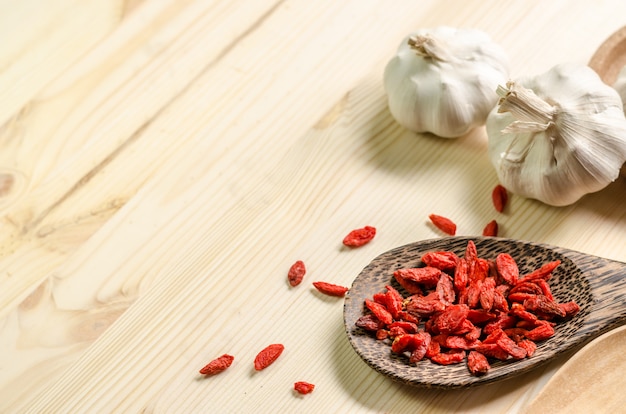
[608, 288]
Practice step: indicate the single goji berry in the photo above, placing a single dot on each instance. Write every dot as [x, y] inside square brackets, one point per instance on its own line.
[330, 289]
[426, 276]
[379, 311]
[267, 356]
[449, 358]
[296, 273]
[461, 275]
[570, 308]
[369, 322]
[424, 305]
[499, 197]
[507, 268]
[544, 272]
[359, 237]
[539, 304]
[451, 318]
[541, 332]
[382, 334]
[303, 387]
[443, 223]
[529, 346]
[477, 363]
[487, 293]
[491, 229]
[441, 260]
[393, 301]
[217, 365]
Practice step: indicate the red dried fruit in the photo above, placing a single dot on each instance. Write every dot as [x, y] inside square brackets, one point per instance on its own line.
[500, 197]
[296, 273]
[477, 363]
[540, 333]
[303, 387]
[330, 289]
[381, 313]
[529, 346]
[445, 289]
[359, 237]
[480, 306]
[427, 276]
[369, 322]
[449, 358]
[570, 308]
[441, 260]
[451, 319]
[444, 224]
[217, 365]
[461, 275]
[491, 229]
[267, 356]
[507, 268]
[544, 272]
[393, 301]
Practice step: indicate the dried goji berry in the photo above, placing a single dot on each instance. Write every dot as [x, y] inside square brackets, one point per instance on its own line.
[267, 356]
[359, 237]
[541, 332]
[451, 318]
[500, 197]
[541, 304]
[443, 223]
[379, 311]
[296, 273]
[427, 276]
[449, 358]
[445, 289]
[330, 289]
[507, 268]
[477, 363]
[544, 272]
[393, 301]
[441, 260]
[461, 275]
[570, 308]
[491, 229]
[369, 322]
[217, 365]
[529, 346]
[303, 387]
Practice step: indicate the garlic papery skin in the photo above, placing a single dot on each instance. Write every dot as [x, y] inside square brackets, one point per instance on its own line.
[557, 136]
[443, 80]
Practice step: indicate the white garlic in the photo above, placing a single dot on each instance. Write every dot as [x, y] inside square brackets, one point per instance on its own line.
[557, 136]
[444, 80]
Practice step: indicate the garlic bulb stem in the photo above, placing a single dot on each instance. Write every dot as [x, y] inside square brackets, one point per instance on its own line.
[532, 113]
[427, 47]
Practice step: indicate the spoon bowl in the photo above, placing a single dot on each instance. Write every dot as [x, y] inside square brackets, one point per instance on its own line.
[593, 282]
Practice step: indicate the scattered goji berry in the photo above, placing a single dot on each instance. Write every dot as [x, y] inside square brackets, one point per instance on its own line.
[359, 237]
[500, 197]
[330, 289]
[443, 223]
[217, 365]
[296, 273]
[267, 356]
[303, 387]
[491, 229]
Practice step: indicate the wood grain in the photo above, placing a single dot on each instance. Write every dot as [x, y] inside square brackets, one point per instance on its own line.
[163, 162]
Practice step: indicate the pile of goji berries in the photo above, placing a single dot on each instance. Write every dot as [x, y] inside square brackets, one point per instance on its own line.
[466, 308]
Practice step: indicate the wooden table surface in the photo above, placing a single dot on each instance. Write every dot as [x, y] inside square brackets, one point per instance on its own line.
[163, 162]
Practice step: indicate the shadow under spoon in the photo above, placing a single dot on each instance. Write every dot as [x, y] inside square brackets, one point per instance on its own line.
[595, 283]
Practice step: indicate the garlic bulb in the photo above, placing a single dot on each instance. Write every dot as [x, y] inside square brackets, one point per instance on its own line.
[557, 136]
[444, 80]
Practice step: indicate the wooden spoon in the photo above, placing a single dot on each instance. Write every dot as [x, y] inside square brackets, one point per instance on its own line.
[591, 380]
[595, 283]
